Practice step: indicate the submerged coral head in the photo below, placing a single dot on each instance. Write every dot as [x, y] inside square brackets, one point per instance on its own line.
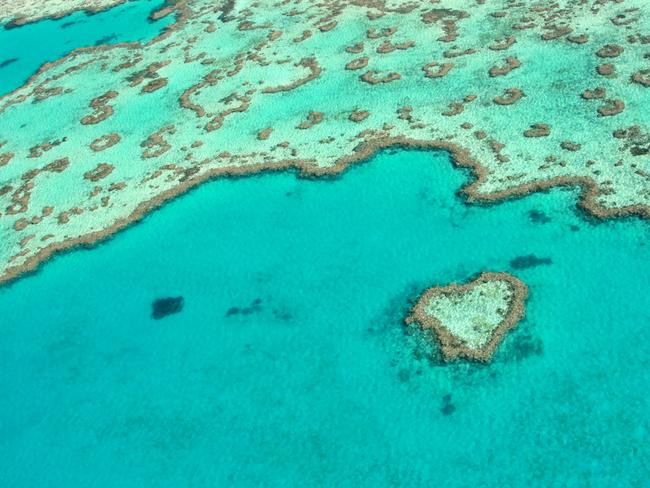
[162, 307]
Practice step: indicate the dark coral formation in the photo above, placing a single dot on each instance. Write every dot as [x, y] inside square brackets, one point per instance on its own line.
[254, 307]
[101, 171]
[529, 261]
[102, 110]
[611, 107]
[313, 118]
[162, 307]
[372, 77]
[440, 72]
[510, 96]
[511, 63]
[538, 130]
[104, 142]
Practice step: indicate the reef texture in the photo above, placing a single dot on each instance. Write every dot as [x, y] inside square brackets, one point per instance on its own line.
[19, 12]
[471, 320]
[516, 91]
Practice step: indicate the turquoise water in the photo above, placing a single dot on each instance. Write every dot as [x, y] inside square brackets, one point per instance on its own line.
[289, 364]
[23, 50]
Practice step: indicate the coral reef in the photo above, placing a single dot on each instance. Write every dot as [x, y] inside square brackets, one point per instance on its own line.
[518, 93]
[470, 320]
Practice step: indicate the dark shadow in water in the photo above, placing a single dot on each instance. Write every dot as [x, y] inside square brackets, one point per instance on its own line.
[67, 24]
[105, 40]
[282, 314]
[524, 346]
[254, 307]
[404, 375]
[162, 307]
[7, 62]
[447, 407]
[530, 261]
[538, 217]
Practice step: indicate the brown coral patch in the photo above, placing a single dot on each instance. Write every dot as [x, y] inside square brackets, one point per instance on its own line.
[594, 94]
[455, 53]
[642, 77]
[388, 47]
[264, 134]
[5, 158]
[57, 166]
[512, 63]
[102, 110]
[327, 27]
[42, 94]
[162, 12]
[538, 130]
[496, 147]
[611, 107]
[155, 145]
[217, 121]
[606, 69]
[580, 39]
[609, 51]
[102, 170]
[502, 44]
[357, 63]
[21, 224]
[449, 18]
[510, 96]
[555, 32]
[405, 113]
[359, 115]
[314, 72]
[117, 186]
[150, 72]
[63, 217]
[355, 49]
[454, 108]
[38, 150]
[20, 199]
[104, 142]
[302, 37]
[154, 85]
[313, 118]
[211, 79]
[441, 71]
[570, 146]
[372, 78]
[385, 32]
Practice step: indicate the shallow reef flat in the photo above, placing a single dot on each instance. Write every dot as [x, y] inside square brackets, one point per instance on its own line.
[471, 320]
[530, 95]
[20, 12]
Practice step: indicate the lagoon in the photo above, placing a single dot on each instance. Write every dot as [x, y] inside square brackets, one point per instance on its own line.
[289, 363]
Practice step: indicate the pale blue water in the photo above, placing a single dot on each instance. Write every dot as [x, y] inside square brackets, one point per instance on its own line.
[320, 385]
[23, 50]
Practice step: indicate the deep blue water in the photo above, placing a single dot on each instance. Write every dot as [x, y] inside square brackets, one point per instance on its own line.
[25, 49]
[289, 364]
